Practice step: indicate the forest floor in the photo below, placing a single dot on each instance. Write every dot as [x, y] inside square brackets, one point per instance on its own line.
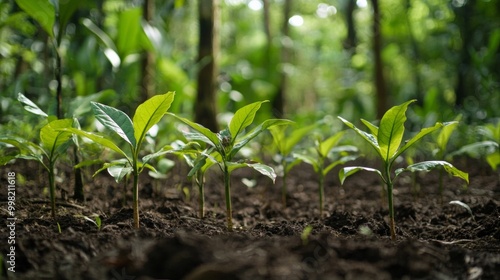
[435, 239]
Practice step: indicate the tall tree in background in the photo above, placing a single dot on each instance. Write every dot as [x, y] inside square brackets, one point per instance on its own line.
[380, 86]
[351, 40]
[205, 107]
[465, 78]
[278, 102]
[148, 58]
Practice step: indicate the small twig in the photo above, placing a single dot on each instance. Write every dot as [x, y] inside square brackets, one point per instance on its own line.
[452, 242]
[65, 204]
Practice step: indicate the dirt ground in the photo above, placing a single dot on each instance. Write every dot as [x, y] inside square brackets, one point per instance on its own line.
[436, 240]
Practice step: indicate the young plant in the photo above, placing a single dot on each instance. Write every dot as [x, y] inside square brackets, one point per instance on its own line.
[323, 149]
[285, 142]
[440, 152]
[133, 132]
[386, 140]
[488, 148]
[224, 145]
[53, 144]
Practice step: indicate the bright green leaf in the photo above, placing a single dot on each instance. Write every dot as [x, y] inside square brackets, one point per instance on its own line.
[243, 140]
[391, 130]
[328, 144]
[371, 139]
[348, 171]
[429, 165]
[116, 121]
[42, 11]
[264, 170]
[52, 137]
[149, 113]
[243, 118]
[214, 140]
[129, 27]
[373, 128]
[99, 139]
[445, 134]
[423, 132]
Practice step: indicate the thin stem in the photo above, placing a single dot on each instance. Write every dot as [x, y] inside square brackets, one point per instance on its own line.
[227, 189]
[388, 182]
[284, 187]
[321, 192]
[200, 181]
[52, 189]
[441, 185]
[136, 198]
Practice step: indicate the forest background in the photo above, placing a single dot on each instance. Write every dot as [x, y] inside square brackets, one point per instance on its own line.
[313, 59]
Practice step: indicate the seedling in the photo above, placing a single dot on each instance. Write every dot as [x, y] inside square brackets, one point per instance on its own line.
[442, 141]
[53, 144]
[318, 159]
[224, 145]
[386, 140]
[285, 144]
[133, 132]
[488, 148]
[304, 236]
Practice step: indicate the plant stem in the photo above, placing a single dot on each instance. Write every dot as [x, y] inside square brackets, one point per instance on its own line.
[441, 185]
[227, 189]
[136, 198]
[321, 192]
[200, 181]
[390, 201]
[283, 188]
[52, 190]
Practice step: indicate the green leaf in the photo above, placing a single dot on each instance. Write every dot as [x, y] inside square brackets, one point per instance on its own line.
[423, 132]
[42, 11]
[289, 141]
[264, 170]
[214, 140]
[445, 134]
[52, 137]
[373, 128]
[348, 171]
[391, 130]
[328, 144]
[30, 106]
[89, 162]
[23, 145]
[118, 171]
[110, 50]
[115, 120]
[429, 165]
[149, 113]
[477, 149]
[309, 160]
[493, 160]
[243, 118]
[129, 26]
[371, 139]
[99, 139]
[243, 140]
[66, 9]
[340, 161]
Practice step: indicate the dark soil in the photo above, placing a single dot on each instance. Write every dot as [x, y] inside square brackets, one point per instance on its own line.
[436, 240]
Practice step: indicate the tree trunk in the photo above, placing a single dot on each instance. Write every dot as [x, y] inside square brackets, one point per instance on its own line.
[465, 81]
[278, 102]
[380, 86]
[148, 65]
[351, 40]
[205, 108]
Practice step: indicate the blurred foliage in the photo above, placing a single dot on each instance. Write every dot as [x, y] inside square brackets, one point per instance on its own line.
[435, 51]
